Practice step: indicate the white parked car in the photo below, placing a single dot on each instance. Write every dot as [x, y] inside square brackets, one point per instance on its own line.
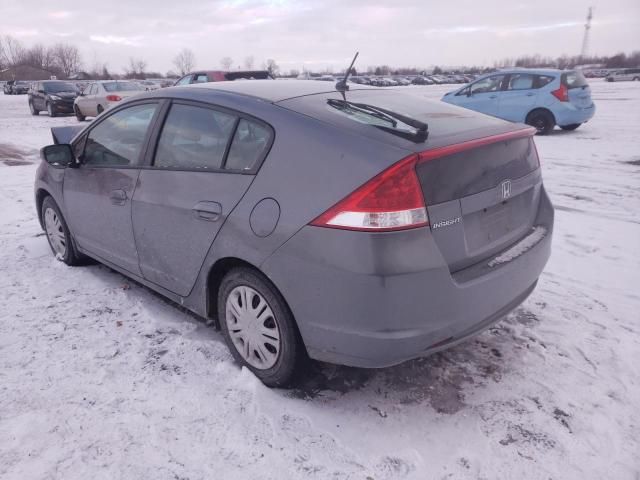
[626, 74]
[99, 96]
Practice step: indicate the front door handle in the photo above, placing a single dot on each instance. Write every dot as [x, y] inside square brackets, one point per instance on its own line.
[493, 96]
[530, 94]
[209, 211]
[118, 197]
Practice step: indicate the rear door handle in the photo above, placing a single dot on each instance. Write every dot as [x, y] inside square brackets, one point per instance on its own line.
[530, 94]
[493, 96]
[209, 211]
[118, 197]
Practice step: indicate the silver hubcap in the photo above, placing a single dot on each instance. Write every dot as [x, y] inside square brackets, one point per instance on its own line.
[55, 232]
[252, 327]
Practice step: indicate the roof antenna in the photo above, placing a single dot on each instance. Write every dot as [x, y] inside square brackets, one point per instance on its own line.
[342, 86]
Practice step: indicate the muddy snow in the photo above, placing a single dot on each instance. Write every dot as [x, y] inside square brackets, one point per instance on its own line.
[100, 378]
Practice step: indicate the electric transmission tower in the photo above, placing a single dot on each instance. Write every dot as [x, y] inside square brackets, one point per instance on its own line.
[585, 40]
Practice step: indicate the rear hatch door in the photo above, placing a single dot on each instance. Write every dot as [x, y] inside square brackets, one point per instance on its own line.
[578, 89]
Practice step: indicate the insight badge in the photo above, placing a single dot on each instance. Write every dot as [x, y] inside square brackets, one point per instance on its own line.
[445, 223]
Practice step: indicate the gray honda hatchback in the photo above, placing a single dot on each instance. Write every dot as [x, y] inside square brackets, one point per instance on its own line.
[362, 227]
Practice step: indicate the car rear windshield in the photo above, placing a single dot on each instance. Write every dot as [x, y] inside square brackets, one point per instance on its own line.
[55, 87]
[574, 79]
[122, 87]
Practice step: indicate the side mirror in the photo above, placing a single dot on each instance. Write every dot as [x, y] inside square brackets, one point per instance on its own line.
[59, 156]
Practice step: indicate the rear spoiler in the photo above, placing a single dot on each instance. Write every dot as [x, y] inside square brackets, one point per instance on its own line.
[64, 135]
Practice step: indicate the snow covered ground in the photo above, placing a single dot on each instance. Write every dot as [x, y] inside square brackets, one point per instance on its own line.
[102, 379]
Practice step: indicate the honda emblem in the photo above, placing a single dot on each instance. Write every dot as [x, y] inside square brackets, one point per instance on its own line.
[506, 189]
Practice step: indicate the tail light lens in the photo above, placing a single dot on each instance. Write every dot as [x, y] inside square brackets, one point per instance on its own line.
[392, 200]
[114, 98]
[561, 93]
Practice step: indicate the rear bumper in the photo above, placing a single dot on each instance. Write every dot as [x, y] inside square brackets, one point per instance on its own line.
[376, 300]
[570, 115]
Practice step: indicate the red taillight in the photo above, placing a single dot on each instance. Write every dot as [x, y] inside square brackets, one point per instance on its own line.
[113, 98]
[561, 93]
[393, 199]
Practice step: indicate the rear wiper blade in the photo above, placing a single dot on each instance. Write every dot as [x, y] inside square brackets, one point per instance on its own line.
[343, 105]
[422, 129]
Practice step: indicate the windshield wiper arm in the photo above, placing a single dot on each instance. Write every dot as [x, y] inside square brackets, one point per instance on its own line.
[422, 129]
[344, 105]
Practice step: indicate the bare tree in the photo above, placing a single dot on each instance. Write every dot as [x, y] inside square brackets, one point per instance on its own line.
[136, 68]
[12, 51]
[185, 61]
[66, 58]
[226, 63]
[248, 62]
[272, 67]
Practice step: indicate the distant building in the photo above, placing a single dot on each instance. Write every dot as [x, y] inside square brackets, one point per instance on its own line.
[25, 72]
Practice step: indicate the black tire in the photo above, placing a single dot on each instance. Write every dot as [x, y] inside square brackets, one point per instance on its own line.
[100, 109]
[636, 79]
[50, 110]
[573, 126]
[291, 355]
[79, 116]
[71, 256]
[542, 120]
[33, 109]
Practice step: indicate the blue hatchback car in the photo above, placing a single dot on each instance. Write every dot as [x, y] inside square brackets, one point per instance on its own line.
[542, 98]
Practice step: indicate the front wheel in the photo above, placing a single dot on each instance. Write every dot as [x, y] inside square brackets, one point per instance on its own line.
[78, 113]
[573, 126]
[58, 234]
[258, 327]
[542, 120]
[50, 110]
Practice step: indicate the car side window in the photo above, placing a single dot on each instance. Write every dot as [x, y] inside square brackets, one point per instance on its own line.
[200, 78]
[184, 80]
[520, 81]
[118, 140]
[194, 138]
[248, 147]
[489, 84]
[542, 80]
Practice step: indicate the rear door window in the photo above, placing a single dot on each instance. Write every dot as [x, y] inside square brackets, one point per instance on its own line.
[520, 81]
[194, 138]
[118, 140]
[200, 78]
[249, 146]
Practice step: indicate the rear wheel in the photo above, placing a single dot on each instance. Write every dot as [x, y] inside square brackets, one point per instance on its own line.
[542, 120]
[573, 126]
[100, 109]
[52, 113]
[636, 79]
[58, 234]
[78, 113]
[33, 109]
[258, 327]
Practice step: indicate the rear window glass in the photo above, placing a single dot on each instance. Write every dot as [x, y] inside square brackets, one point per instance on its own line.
[574, 79]
[52, 87]
[249, 144]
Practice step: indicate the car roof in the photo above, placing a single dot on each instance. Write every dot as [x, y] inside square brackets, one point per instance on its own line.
[270, 90]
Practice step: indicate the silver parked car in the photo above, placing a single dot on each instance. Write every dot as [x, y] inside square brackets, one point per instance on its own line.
[363, 227]
[99, 96]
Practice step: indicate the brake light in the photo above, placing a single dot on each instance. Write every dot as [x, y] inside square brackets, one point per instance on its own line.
[392, 200]
[561, 93]
[113, 98]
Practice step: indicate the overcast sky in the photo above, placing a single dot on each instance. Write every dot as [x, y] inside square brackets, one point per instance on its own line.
[322, 33]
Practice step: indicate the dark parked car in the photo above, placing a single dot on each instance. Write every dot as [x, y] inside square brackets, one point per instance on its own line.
[54, 96]
[222, 76]
[18, 87]
[306, 221]
[6, 89]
